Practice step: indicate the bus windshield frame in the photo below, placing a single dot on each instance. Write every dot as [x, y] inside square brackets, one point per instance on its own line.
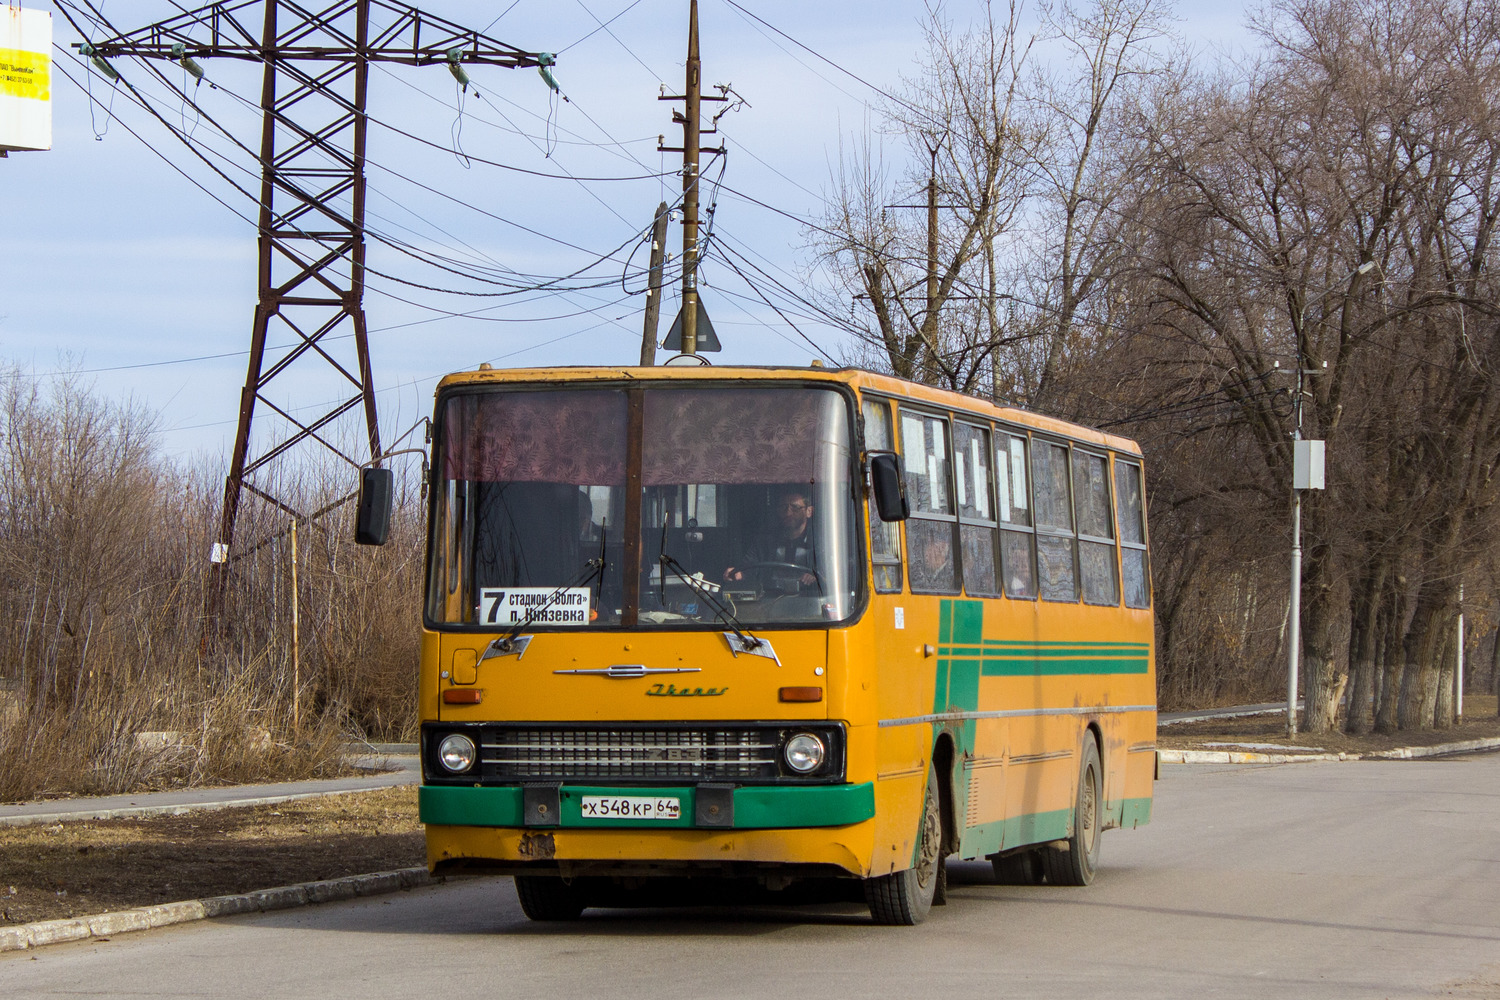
[738, 501]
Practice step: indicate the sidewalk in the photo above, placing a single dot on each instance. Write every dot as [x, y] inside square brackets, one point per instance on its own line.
[405, 772]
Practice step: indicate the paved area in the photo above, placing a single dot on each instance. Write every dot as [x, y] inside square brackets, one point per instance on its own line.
[1319, 881]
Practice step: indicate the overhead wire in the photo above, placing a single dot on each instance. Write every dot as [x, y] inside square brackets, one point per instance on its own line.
[142, 101]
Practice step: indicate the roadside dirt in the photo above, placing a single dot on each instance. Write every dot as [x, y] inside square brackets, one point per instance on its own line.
[83, 868]
[78, 869]
[1267, 734]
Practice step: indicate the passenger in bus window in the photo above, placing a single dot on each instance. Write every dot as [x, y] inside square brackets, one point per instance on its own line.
[790, 543]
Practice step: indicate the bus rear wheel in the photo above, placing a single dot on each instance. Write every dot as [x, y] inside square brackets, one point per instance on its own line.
[548, 897]
[904, 898]
[1075, 861]
[1019, 868]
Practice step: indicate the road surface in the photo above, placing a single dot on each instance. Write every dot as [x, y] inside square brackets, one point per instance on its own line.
[1288, 881]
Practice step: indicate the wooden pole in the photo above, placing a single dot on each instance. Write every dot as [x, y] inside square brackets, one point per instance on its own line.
[690, 189]
[296, 646]
[653, 294]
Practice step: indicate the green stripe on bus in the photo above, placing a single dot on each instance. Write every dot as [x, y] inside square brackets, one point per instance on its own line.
[758, 807]
[1136, 812]
[1043, 827]
[1040, 644]
[1058, 668]
[1011, 652]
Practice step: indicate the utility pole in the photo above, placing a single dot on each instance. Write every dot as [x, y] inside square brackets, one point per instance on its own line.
[691, 121]
[690, 155]
[932, 239]
[653, 292]
[311, 280]
[1307, 473]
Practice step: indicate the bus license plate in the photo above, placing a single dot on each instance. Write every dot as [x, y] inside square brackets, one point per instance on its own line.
[630, 807]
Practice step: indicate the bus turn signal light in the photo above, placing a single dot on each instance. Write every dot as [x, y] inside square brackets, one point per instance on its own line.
[463, 696]
[801, 694]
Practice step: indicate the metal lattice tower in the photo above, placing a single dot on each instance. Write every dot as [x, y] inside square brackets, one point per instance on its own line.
[312, 198]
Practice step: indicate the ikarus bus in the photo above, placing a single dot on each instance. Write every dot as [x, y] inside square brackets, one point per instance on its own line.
[774, 624]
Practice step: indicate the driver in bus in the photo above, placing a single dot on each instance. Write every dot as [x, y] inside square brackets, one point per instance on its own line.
[790, 544]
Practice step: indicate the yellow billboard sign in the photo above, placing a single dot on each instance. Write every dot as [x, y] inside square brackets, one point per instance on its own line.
[25, 79]
[25, 74]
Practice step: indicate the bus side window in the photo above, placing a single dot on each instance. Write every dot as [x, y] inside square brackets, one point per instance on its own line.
[1130, 506]
[885, 536]
[1055, 541]
[928, 465]
[976, 509]
[1096, 537]
[1017, 559]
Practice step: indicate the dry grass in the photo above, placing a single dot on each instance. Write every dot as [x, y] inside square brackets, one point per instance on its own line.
[1480, 722]
[77, 869]
[103, 561]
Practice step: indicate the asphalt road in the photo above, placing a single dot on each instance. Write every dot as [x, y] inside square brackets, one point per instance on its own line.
[1290, 881]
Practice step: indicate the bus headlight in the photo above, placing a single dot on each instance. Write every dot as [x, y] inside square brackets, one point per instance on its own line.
[456, 753]
[804, 753]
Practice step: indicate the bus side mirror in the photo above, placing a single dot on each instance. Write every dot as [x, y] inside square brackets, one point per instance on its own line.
[890, 492]
[372, 522]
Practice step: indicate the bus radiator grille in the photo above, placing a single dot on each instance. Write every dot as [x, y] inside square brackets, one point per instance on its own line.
[556, 754]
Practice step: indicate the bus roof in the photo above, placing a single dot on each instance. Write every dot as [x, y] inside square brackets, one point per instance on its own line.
[854, 377]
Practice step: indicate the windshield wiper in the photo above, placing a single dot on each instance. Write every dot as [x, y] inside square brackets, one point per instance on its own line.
[700, 587]
[591, 569]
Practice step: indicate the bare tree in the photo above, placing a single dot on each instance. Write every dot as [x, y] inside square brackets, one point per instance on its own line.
[917, 251]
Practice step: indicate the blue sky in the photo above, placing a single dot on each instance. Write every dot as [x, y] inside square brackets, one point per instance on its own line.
[119, 267]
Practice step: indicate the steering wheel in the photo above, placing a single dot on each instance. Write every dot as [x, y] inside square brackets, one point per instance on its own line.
[761, 567]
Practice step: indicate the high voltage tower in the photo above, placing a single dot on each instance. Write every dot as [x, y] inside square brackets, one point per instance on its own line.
[312, 200]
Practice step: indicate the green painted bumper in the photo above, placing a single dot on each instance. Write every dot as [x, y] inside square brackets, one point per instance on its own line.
[755, 808]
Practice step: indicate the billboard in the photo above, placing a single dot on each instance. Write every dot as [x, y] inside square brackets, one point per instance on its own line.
[25, 79]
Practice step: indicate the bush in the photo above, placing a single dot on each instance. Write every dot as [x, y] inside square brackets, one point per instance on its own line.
[103, 561]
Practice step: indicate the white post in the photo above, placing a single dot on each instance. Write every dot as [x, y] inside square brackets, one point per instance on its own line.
[1458, 673]
[1294, 615]
[1294, 650]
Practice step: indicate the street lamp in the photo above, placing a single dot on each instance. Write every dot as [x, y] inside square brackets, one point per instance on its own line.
[1307, 466]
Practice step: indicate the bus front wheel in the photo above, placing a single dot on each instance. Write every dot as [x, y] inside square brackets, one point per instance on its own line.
[905, 897]
[548, 897]
[1074, 861]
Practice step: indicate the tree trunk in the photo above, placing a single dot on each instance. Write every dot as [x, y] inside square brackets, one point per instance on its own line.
[1419, 686]
[1393, 673]
[1364, 623]
[1495, 671]
[1323, 681]
[1442, 716]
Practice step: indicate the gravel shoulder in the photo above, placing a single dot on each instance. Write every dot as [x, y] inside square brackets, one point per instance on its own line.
[83, 868]
[1267, 733]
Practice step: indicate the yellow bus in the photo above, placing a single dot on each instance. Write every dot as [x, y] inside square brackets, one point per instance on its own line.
[774, 624]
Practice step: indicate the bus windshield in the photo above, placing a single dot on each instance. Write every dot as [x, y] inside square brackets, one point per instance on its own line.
[745, 510]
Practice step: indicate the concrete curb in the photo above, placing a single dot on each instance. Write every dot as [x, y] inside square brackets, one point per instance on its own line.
[1247, 757]
[183, 808]
[45, 932]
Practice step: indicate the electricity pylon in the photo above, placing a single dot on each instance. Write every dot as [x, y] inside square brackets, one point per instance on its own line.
[312, 198]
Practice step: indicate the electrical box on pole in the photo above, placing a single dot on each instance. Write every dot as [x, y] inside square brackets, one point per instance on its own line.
[1307, 465]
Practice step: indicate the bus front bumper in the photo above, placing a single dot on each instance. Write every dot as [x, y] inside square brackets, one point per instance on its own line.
[718, 807]
[824, 829]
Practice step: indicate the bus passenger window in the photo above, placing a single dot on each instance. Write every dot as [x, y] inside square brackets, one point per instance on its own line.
[885, 536]
[1130, 508]
[1096, 546]
[927, 463]
[976, 509]
[1055, 540]
[1017, 559]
